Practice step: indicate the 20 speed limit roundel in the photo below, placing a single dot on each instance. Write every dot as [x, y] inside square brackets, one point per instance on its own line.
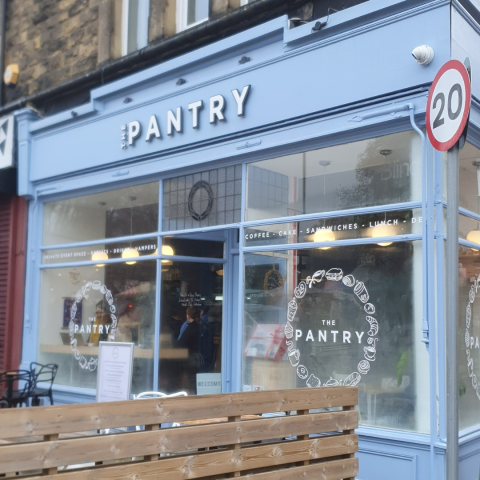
[448, 105]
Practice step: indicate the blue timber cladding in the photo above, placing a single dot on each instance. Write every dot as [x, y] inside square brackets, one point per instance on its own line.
[286, 83]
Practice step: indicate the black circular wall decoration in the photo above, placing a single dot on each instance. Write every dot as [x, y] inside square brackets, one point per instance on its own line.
[199, 185]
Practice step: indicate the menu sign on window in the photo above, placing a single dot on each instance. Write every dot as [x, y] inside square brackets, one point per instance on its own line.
[114, 380]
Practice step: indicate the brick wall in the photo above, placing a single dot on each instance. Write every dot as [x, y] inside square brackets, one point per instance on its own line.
[51, 41]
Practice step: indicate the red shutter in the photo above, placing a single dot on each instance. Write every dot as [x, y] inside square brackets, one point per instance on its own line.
[13, 212]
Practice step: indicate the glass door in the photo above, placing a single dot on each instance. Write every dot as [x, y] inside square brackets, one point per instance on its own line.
[191, 316]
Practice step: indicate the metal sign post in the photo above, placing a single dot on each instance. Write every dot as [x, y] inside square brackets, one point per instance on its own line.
[448, 108]
[452, 312]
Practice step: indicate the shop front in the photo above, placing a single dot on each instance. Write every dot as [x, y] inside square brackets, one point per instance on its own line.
[266, 213]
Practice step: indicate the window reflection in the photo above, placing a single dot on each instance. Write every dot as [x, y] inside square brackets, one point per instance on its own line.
[190, 326]
[116, 213]
[468, 338]
[469, 193]
[348, 315]
[115, 302]
[370, 172]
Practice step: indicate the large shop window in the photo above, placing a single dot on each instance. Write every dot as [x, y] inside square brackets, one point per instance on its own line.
[469, 193]
[83, 305]
[377, 171]
[343, 315]
[468, 338]
[116, 213]
[114, 302]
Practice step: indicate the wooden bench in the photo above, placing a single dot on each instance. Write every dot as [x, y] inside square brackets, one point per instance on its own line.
[42, 441]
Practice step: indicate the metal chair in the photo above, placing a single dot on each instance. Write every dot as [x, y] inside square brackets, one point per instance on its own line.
[45, 374]
[160, 395]
[11, 378]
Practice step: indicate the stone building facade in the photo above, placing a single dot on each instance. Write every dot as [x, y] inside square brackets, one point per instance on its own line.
[54, 42]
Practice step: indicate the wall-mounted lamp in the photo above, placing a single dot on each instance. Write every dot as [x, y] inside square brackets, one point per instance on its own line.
[10, 76]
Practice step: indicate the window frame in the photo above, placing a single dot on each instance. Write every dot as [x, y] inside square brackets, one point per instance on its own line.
[182, 15]
[143, 14]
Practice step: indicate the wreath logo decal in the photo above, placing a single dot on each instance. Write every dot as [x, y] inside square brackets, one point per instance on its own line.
[91, 363]
[369, 351]
[469, 339]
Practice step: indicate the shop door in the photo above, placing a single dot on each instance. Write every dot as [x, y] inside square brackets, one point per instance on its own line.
[191, 318]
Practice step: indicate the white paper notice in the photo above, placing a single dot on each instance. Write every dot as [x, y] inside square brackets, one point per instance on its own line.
[114, 371]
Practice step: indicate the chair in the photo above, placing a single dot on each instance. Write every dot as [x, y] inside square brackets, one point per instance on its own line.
[160, 395]
[13, 397]
[45, 374]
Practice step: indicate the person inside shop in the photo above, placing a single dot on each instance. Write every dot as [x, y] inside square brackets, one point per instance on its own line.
[206, 344]
[101, 318]
[190, 331]
[189, 338]
[126, 321]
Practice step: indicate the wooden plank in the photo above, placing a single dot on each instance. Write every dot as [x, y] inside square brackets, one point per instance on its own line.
[334, 470]
[51, 470]
[85, 417]
[221, 462]
[235, 446]
[349, 408]
[30, 456]
[303, 437]
[150, 428]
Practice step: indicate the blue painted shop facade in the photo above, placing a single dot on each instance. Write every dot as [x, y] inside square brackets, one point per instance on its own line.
[280, 181]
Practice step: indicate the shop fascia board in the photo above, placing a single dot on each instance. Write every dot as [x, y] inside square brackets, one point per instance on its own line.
[323, 131]
[93, 146]
[352, 19]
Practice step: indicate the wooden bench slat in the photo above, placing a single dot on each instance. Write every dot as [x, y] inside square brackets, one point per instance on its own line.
[222, 462]
[85, 417]
[334, 470]
[31, 456]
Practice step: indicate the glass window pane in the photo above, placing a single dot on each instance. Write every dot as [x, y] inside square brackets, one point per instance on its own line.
[468, 338]
[97, 297]
[192, 247]
[383, 224]
[349, 315]
[116, 213]
[204, 199]
[197, 10]
[468, 228]
[469, 194]
[102, 252]
[370, 172]
[191, 350]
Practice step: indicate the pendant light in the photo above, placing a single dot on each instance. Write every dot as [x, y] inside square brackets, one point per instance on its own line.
[324, 235]
[131, 252]
[166, 250]
[474, 235]
[98, 256]
[383, 230]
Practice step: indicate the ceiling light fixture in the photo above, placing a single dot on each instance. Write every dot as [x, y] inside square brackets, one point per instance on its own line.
[98, 256]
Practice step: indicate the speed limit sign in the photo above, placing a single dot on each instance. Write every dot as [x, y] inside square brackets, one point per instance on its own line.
[448, 105]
